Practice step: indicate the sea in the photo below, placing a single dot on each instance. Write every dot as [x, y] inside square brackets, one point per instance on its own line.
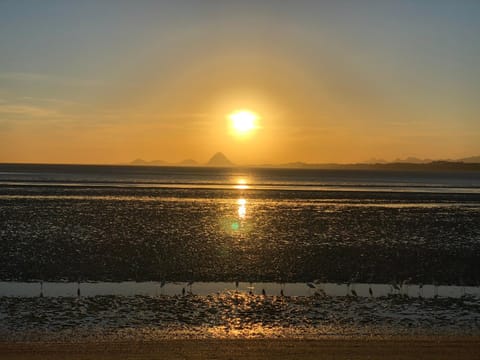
[237, 244]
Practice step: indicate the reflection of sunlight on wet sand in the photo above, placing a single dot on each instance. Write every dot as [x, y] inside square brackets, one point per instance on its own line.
[237, 329]
[241, 184]
[242, 210]
[241, 213]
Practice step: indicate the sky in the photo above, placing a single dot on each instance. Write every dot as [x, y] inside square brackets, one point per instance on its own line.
[331, 81]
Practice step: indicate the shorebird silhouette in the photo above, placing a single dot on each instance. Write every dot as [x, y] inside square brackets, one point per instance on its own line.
[78, 289]
[263, 292]
[41, 289]
[420, 290]
[162, 284]
[395, 287]
[189, 284]
[370, 291]
[404, 286]
[435, 289]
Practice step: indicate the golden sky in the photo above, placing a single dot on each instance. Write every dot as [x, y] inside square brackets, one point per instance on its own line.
[338, 81]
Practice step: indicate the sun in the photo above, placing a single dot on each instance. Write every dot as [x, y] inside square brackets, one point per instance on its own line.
[243, 121]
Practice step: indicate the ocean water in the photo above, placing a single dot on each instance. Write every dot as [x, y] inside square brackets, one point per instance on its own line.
[255, 178]
[124, 223]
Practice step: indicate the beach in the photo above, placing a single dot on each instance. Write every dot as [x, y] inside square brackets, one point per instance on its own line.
[327, 348]
[101, 262]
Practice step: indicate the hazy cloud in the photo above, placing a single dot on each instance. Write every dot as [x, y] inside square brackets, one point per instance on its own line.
[39, 77]
[27, 111]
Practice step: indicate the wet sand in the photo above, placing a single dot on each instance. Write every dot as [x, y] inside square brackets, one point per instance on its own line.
[329, 348]
[182, 235]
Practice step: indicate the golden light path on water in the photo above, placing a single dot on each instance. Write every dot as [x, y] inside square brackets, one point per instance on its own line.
[237, 224]
[242, 209]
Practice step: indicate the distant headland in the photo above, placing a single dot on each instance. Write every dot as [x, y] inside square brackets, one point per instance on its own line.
[411, 163]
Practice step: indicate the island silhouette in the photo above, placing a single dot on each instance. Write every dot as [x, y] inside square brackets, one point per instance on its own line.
[219, 159]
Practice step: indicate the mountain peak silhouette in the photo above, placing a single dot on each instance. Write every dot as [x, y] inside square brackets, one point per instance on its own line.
[219, 159]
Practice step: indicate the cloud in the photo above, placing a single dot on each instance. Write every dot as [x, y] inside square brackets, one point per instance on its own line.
[27, 111]
[39, 77]
[61, 102]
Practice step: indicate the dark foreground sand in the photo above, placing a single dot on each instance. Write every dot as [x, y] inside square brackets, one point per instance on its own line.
[341, 348]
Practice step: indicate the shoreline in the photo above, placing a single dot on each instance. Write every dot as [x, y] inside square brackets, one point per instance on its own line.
[391, 347]
[201, 288]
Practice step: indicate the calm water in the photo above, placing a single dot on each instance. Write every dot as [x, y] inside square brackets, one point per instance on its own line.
[121, 223]
[255, 178]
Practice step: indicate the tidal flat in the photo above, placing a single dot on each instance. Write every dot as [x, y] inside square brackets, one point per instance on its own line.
[83, 233]
[307, 271]
[232, 315]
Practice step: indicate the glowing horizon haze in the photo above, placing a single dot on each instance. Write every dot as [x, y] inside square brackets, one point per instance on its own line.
[326, 81]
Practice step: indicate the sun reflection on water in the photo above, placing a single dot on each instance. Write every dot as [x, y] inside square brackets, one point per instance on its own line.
[242, 184]
[242, 209]
[238, 223]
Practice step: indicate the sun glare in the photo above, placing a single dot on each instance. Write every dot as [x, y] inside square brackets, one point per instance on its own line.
[241, 184]
[243, 121]
[242, 209]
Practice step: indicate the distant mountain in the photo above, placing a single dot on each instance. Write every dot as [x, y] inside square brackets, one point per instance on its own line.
[138, 162]
[471, 159]
[375, 161]
[141, 162]
[409, 163]
[219, 159]
[412, 160]
[297, 164]
[398, 166]
[188, 162]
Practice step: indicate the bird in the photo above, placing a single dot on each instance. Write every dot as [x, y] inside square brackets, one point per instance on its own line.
[370, 291]
[404, 285]
[78, 289]
[354, 293]
[420, 290]
[310, 285]
[435, 289]
[263, 292]
[189, 284]
[281, 292]
[250, 291]
[41, 288]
